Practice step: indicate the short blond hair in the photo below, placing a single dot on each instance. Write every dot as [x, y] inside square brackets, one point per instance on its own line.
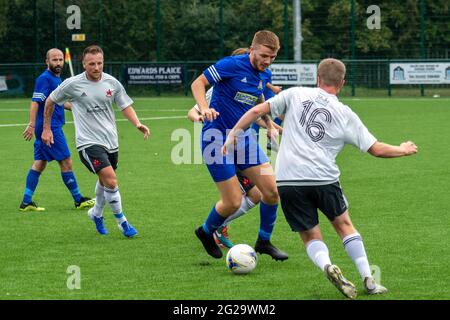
[266, 38]
[331, 72]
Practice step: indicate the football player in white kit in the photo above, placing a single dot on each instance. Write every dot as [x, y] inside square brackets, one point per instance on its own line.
[316, 128]
[92, 94]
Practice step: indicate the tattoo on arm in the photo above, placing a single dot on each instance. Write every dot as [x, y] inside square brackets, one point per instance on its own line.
[48, 112]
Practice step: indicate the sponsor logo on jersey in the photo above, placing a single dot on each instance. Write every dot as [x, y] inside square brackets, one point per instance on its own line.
[97, 109]
[244, 79]
[109, 93]
[245, 98]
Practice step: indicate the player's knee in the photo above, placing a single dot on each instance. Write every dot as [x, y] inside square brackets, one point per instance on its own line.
[254, 197]
[232, 204]
[343, 225]
[39, 166]
[311, 235]
[66, 165]
[109, 182]
[270, 196]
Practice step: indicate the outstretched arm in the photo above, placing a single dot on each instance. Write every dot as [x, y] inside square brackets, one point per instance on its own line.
[384, 150]
[131, 115]
[248, 118]
[274, 89]
[47, 135]
[29, 130]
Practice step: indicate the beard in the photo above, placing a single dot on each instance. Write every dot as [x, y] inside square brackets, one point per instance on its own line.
[56, 69]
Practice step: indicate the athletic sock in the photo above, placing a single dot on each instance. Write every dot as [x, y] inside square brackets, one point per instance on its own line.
[99, 200]
[318, 253]
[246, 205]
[213, 221]
[31, 184]
[268, 215]
[354, 246]
[112, 196]
[114, 200]
[120, 218]
[71, 183]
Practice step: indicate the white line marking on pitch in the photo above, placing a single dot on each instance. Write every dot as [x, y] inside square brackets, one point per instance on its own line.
[117, 120]
[137, 110]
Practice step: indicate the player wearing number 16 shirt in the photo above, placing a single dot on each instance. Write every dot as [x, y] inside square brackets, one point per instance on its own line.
[316, 128]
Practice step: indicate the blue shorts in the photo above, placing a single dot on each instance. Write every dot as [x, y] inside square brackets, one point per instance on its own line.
[247, 154]
[58, 151]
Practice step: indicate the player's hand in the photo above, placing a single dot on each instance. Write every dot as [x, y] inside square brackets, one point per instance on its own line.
[277, 89]
[272, 133]
[209, 114]
[144, 129]
[47, 137]
[230, 140]
[409, 148]
[199, 118]
[28, 133]
[278, 128]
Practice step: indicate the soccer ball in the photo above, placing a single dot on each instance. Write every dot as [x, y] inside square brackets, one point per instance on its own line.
[241, 259]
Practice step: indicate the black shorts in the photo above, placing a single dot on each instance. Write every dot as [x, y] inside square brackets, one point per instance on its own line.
[246, 184]
[300, 204]
[95, 158]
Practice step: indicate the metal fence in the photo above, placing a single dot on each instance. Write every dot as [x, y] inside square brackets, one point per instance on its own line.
[364, 78]
[157, 30]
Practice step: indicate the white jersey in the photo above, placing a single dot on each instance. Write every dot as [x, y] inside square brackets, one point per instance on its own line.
[316, 128]
[93, 114]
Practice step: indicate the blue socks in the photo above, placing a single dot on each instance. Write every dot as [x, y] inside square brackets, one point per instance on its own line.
[71, 184]
[31, 184]
[33, 179]
[213, 221]
[268, 215]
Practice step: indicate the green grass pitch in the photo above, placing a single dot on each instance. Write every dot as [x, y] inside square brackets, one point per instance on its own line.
[400, 207]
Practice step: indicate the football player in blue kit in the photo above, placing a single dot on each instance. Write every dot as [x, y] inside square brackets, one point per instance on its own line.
[48, 81]
[270, 91]
[238, 85]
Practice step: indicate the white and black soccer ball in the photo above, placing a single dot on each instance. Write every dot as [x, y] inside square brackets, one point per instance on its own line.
[241, 259]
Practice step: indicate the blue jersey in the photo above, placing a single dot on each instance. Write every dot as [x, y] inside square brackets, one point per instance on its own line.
[45, 84]
[267, 78]
[237, 88]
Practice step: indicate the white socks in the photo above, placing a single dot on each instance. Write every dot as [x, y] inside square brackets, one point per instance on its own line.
[99, 200]
[246, 205]
[318, 253]
[114, 200]
[112, 196]
[354, 246]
